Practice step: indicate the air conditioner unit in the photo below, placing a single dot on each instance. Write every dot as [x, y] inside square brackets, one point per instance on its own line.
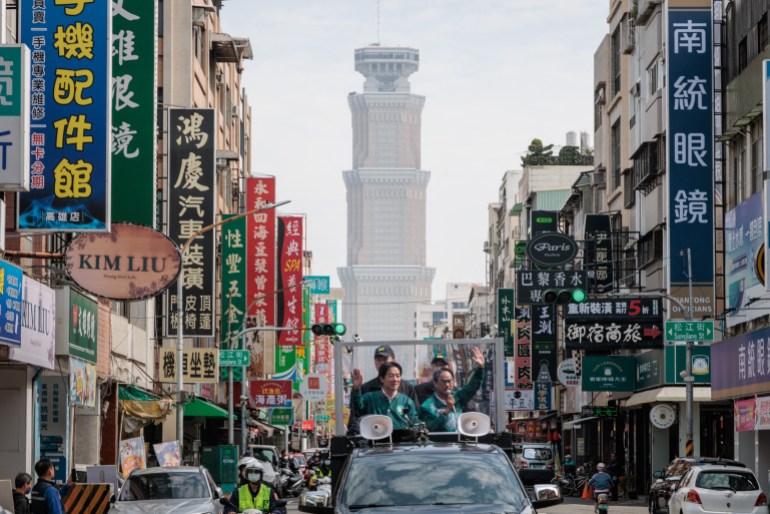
[234, 110]
[597, 178]
[220, 78]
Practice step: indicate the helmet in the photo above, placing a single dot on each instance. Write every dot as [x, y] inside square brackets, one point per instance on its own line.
[245, 461]
[254, 471]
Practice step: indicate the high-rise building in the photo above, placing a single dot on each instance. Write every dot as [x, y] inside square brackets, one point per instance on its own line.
[386, 276]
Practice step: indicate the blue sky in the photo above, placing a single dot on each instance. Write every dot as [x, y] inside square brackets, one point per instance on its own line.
[495, 74]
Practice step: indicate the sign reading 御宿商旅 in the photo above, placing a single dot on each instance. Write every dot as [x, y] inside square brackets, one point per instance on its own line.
[608, 373]
[79, 335]
[130, 262]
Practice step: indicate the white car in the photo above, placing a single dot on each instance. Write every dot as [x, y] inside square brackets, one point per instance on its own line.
[718, 488]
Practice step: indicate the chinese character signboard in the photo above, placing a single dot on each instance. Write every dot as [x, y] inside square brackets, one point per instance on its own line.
[271, 393]
[744, 239]
[83, 323]
[598, 252]
[38, 317]
[608, 373]
[14, 118]
[11, 283]
[69, 115]
[690, 142]
[281, 416]
[321, 344]
[523, 349]
[289, 297]
[260, 254]
[544, 339]
[318, 284]
[52, 401]
[199, 365]
[649, 369]
[614, 323]
[134, 80]
[505, 306]
[531, 284]
[192, 207]
[233, 278]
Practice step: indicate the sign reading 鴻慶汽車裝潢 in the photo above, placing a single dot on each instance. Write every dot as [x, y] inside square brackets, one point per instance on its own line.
[608, 373]
[690, 152]
[551, 249]
[614, 323]
[70, 127]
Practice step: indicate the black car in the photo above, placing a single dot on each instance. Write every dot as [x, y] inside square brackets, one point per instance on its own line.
[666, 480]
[429, 477]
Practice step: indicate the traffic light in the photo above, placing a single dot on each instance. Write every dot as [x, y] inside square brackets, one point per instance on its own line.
[564, 296]
[328, 329]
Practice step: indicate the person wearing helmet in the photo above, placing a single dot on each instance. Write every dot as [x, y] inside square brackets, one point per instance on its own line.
[254, 494]
[602, 483]
[242, 463]
[569, 465]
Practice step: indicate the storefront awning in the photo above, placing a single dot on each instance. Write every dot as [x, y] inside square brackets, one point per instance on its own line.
[568, 425]
[129, 392]
[201, 408]
[141, 407]
[669, 394]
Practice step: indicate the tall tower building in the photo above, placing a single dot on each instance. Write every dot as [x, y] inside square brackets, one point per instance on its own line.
[385, 277]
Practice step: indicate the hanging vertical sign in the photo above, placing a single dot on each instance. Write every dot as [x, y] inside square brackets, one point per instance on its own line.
[14, 118]
[69, 115]
[134, 99]
[544, 340]
[192, 207]
[598, 252]
[690, 141]
[322, 350]
[505, 312]
[290, 244]
[233, 278]
[523, 352]
[260, 255]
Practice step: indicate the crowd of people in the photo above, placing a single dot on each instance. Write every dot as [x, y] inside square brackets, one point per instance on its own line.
[437, 403]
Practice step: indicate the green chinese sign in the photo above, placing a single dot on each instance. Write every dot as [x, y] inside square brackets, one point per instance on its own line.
[609, 373]
[281, 416]
[83, 322]
[505, 315]
[676, 362]
[233, 277]
[134, 93]
[649, 369]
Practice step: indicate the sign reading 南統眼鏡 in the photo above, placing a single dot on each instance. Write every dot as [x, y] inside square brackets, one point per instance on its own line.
[690, 142]
[199, 365]
[70, 113]
[14, 117]
[134, 102]
[191, 208]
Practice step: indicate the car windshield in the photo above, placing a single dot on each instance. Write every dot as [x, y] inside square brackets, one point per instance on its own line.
[166, 485]
[677, 468]
[265, 455]
[537, 453]
[407, 478]
[720, 479]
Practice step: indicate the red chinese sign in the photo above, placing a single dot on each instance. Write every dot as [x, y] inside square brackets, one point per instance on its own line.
[322, 349]
[523, 348]
[260, 253]
[290, 243]
[271, 393]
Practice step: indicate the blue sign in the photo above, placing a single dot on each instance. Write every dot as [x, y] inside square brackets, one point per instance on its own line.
[690, 142]
[11, 278]
[740, 366]
[543, 395]
[744, 237]
[69, 115]
[318, 284]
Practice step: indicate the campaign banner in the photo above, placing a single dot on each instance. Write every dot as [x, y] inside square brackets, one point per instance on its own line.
[132, 455]
[71, 82]
[289, 297]
[191, 208]
[744, 415]
[38, 330]
[134, 111]
[690, 153]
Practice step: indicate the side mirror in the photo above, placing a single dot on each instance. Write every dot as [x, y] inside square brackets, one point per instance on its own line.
[546, 495]
[218, 493]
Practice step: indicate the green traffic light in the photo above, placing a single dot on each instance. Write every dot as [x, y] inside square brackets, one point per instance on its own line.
[579, 295]
[339, 329]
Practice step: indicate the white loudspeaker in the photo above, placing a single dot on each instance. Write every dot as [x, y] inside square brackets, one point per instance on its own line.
[473, 424]
[375, 427]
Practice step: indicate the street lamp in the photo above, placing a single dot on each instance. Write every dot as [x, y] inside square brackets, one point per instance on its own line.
[180, 313]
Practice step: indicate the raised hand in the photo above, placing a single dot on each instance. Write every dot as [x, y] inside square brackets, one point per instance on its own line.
[478, 357]
[358, 378]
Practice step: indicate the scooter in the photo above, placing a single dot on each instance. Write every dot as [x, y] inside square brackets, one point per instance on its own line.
[292, 483]
[280, 507]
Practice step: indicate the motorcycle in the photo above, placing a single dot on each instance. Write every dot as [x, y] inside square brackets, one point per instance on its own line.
[292, 483]
[280, 507]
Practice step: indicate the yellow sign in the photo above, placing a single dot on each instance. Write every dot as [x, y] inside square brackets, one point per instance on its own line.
[199, 365]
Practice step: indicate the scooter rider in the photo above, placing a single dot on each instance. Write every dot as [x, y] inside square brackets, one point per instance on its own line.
[602, 483]
[254, 494]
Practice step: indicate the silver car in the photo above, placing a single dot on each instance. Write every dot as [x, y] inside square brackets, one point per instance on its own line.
[184, 490]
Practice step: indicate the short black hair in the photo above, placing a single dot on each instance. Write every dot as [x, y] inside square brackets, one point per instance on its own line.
[42, 466]
[22, 479]
[437, 373]
[386, 367]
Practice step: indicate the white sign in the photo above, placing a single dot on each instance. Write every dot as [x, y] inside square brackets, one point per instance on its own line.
[566, 373]
[38, 334]
[662, 415]
[14, 118]
[517, 399]
[314, 387]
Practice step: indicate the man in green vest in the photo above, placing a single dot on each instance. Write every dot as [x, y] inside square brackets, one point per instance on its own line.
[254, 494]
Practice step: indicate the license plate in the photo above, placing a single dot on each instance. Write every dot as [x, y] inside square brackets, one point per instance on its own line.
[604, 506]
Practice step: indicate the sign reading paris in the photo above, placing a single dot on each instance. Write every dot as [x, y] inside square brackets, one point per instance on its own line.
[552, 249]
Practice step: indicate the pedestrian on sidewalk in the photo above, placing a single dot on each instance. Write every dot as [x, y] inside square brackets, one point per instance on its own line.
[23, 484]
[45, 496]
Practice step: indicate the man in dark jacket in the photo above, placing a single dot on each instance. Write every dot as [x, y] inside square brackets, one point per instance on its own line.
[23, 484]
[382, 354]
[45, 496]
[426, 389]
